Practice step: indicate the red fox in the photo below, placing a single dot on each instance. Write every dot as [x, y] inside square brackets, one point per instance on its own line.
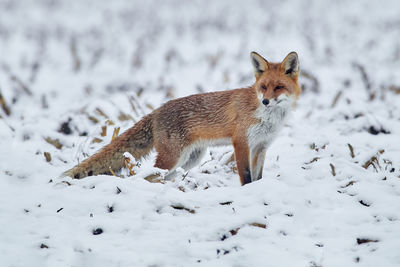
[182, 129]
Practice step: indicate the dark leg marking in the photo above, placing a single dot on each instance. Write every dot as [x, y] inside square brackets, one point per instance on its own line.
[246, 176]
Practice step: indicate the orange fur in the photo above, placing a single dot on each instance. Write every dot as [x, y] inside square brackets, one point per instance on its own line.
[182, 128]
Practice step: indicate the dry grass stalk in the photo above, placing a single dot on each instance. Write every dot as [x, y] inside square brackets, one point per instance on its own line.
[47, 155]
[112, 172]
[97, 140]
[129, 165]
[349, 184]
[366, 80]
[261, 225]
[313, 160]
[125, 117]
[4, 106]
[104, 130]
[93, 119]
[374, 161]
[364, 75]
[313, 146]
[236, 230]
[333, 171]
[140, 91]
[55, 142]
[181, 207]
[351, 150]
[133, 105]
[335, 100]
[149, 106]
[110, 122]
[21, 84]
[115, 133]
[154, 178]
[395, 89]
[102, 113]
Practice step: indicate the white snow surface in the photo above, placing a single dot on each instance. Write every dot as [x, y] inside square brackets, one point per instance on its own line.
[91, 63]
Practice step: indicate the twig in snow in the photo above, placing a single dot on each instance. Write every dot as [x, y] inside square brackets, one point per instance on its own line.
[112, 172]
[104, 130]
[118, 190]
[47, 155]
[4, 106]
[313, 160]
[333, 171]
[335, 100]
[349, 184]
[366, 80]
[44, 246]
[21, 84]
[55, 142]
[181, 207]
[351, 150]
[365, 240]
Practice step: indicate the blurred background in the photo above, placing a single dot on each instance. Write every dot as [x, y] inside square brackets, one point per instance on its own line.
[73, 74]
[68, 68]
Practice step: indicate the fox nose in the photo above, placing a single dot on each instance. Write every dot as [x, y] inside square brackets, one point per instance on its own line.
[265, 101]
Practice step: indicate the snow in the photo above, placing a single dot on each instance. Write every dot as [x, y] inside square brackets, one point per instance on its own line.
[95, 63]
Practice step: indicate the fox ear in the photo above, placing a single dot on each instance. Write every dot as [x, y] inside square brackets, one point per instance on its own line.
[291, 65]
[260, 64]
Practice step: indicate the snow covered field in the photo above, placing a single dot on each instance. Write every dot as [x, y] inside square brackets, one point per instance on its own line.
[73, 71]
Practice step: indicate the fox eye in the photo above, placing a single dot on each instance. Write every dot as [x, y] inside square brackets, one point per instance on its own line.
[264, 87]
[278, 87]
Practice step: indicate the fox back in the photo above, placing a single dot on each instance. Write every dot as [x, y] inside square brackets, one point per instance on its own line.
[181, 130]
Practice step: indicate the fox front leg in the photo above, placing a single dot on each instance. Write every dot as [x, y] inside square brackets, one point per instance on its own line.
[242, 159]
[257, 161]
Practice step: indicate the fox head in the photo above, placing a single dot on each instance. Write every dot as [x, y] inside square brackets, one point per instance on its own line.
[276, 83]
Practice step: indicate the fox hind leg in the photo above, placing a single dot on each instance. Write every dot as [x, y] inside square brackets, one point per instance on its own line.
[187, 161]
[194, 159]
[167, 160]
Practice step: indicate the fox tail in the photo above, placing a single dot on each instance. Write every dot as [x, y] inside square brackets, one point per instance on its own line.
[138, 141]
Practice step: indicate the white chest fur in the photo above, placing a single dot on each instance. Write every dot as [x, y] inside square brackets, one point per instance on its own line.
[272, 118]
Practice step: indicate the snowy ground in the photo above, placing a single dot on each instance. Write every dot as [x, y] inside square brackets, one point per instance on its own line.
[330, 195]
